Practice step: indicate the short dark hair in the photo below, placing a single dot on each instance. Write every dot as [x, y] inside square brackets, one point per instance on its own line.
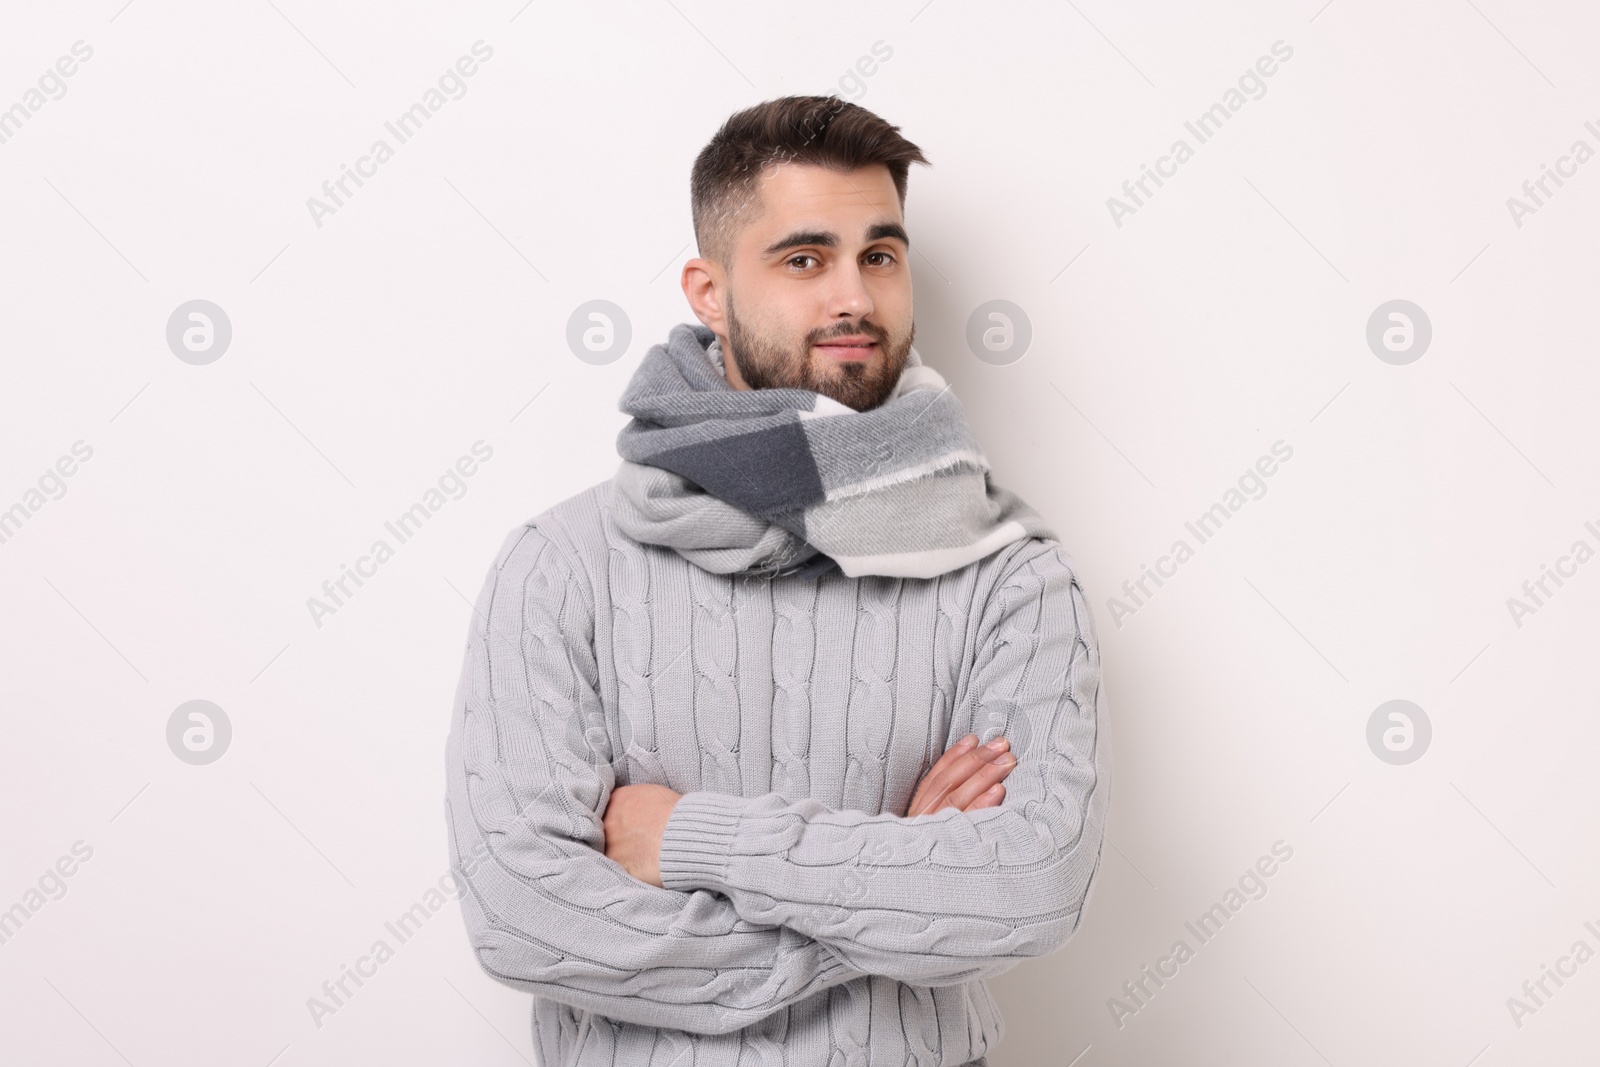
[823, 131]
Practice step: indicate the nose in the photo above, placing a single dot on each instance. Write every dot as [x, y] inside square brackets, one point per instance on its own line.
[848, 297]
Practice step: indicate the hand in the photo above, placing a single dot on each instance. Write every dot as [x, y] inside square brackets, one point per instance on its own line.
[966, 778]
[634, 820]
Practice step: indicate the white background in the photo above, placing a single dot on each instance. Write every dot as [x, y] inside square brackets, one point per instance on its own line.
[1168, 353]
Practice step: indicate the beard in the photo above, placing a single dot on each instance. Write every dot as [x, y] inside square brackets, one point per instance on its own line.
[768, 362]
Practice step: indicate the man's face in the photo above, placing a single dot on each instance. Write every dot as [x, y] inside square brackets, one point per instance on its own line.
[819, 292]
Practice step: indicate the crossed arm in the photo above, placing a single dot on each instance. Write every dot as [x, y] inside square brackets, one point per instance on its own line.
[763, 902]
[967, 777]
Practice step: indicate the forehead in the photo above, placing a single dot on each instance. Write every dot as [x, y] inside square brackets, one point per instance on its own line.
[791, 194]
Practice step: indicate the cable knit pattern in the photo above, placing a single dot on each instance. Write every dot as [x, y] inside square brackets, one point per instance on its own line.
[804, 921]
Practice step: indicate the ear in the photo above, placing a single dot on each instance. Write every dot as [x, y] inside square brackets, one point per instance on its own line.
[704, 285]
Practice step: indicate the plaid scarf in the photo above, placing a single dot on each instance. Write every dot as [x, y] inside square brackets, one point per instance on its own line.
[791, 482]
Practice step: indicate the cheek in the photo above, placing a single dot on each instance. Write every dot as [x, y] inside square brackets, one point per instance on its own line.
[891, 300]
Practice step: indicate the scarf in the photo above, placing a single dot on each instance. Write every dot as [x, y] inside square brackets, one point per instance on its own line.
[792, 482]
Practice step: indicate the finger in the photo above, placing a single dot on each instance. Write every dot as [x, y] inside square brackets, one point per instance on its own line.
[930, 781]
[968, 776]
[966, 766]
[989, 798]
[953, 754]
[963, 764]
[980, 782]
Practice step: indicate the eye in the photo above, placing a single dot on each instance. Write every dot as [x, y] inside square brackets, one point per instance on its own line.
[887, 256]
[802, 255]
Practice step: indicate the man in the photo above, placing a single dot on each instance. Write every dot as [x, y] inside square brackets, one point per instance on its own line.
[715, 790]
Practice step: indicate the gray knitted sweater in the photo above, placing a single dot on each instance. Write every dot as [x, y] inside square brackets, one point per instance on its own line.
[804, 921]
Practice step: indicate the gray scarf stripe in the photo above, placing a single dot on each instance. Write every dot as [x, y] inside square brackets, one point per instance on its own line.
[764, 479]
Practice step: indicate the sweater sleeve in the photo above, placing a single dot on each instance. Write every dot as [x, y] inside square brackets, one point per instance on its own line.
[948, 896]
[528, 768]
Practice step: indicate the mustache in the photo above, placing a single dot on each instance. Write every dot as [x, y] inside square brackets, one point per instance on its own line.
[872, 330]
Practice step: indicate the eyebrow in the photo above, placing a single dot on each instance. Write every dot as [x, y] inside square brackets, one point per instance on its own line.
[827, 239]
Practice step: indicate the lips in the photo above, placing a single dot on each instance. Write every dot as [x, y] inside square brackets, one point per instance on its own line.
[849, 348]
